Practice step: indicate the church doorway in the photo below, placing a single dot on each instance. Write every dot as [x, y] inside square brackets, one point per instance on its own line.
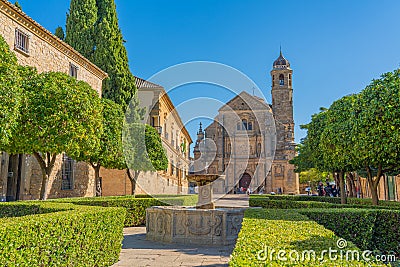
[244, 181]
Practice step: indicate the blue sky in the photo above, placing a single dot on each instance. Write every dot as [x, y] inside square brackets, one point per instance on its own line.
[335, 47]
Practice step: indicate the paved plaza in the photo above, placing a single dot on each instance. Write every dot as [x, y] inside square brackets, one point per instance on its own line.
[137, 251]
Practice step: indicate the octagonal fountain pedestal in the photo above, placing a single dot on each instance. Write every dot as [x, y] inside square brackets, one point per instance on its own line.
[203, 224]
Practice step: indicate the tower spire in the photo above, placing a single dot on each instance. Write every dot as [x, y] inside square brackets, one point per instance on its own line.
[280, 49]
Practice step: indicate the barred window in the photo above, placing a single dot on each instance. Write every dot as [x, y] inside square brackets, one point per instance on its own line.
[73, 70]
[67, 173]
[21, 41]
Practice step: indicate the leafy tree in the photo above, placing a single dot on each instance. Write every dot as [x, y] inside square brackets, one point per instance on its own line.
[10, 92]
[312, 176]
[143, 151]
[59, 114]
[80, 29]
[338, 137]
[60, 33]
[108, 153]
[378, 129]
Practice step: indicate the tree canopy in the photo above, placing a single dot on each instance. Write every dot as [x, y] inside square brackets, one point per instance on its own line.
[93, 30]
[10, 93]
[357, 133]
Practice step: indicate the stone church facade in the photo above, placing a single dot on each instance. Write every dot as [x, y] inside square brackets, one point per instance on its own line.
[250, 143]
[33, 45]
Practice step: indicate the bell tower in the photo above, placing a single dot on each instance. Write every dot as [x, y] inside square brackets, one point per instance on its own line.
[283, 177]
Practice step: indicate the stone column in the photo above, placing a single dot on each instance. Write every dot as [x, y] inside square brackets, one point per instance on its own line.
[205, 196]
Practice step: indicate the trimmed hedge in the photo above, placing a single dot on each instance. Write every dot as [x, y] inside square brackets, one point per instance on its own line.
[135, 208]
[67, 235]
[334, 200]
[376, 230]
[285, 230]
[292, 204]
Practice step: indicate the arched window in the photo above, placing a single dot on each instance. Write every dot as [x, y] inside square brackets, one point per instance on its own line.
[273, 80]
[244, 124]
[229, 149]
[281, 79]
[67, 173]
[250, 126]
[290, 79]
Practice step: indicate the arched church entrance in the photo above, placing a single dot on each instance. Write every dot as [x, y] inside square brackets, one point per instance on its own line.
[245, 181]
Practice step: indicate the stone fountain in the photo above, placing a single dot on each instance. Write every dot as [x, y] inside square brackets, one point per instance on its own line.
[203, 224]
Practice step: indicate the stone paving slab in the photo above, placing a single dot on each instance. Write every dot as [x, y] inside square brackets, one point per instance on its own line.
[137, 251]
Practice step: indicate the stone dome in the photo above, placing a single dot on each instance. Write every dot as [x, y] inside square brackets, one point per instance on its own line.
[281, 62]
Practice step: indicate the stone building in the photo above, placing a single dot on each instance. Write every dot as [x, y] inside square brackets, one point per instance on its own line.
[162, 115]
[20, 175]
[250, 142]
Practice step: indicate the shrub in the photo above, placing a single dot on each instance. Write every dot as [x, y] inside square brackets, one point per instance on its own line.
[368, 229]
[285, 230]
[135, 207]
[352, 202]
[67, 235]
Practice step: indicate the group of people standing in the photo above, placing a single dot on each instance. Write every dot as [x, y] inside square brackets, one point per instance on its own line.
[328, 190]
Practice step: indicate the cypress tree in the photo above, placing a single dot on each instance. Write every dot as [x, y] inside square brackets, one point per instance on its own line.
[111, 55]
[80, 26]
[60, 33]
[93, 30]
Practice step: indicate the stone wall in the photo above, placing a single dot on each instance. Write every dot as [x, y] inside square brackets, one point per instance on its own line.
[117, 183]
[46, 52]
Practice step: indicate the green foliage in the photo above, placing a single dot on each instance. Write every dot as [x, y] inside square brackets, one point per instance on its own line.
[60, 234]
[18, 5]
[155, 149]
[10, 93]
[80, 27]
[338, 137]
[378, 122]
[93, 30]
[60, 33]
[285, 230]
[60, 114]
[375, 230]
[258, 201]
[312, 175]
[109, 152]
[135, 207]
[143, 148]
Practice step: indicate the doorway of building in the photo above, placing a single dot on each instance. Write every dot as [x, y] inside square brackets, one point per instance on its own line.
[14, 177]
[245, 181]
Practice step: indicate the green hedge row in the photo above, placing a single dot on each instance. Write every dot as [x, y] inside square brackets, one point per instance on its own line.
[293, 204]
[376, 230]
[334, 200]
[135, 208]
[66, 235]
[266, 232]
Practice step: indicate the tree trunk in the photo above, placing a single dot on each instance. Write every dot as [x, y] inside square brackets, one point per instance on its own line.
[43, 189]
[133, 180]
[46, 165]
[373, 183]
[343, 199]
[352, 185]
[335, 178]
[97, 185]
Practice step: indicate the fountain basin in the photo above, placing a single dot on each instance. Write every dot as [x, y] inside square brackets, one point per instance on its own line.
[188, 225]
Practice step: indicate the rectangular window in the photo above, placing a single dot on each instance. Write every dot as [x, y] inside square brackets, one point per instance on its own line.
[73, 71]
[67, 173]
[21, 41]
